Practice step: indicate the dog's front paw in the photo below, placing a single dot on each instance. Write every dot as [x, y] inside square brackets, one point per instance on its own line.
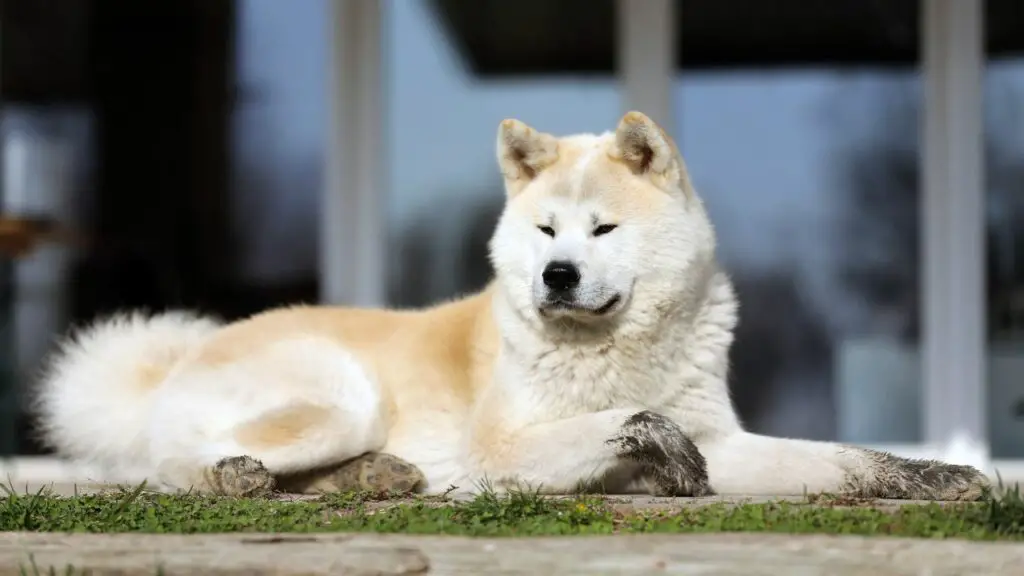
[667, 456]
[911, 479]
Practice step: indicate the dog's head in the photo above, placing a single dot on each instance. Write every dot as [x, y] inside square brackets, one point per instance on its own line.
[597, 227]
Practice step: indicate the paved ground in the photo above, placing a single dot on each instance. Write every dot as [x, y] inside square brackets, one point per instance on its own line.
[721, 554]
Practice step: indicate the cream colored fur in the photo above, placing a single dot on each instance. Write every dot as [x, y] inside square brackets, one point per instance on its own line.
[493, 386]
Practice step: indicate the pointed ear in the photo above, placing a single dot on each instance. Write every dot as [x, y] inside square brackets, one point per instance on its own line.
[647, 149]
[522, 153]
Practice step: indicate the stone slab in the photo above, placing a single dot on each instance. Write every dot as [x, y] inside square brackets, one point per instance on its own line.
[364, 554]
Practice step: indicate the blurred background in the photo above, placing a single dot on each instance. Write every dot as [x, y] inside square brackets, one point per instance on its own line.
[232, 155]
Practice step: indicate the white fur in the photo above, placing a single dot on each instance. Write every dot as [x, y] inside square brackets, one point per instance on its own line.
[563, 394]
[187, 436]
[89, 401]
[93, 410]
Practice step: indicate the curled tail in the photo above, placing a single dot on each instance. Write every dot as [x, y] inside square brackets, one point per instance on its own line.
[93, 399]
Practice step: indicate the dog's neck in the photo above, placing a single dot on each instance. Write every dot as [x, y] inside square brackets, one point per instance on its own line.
[655, 347]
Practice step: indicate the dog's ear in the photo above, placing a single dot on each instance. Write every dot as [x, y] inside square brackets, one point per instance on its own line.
[643, 146]
[523, 153]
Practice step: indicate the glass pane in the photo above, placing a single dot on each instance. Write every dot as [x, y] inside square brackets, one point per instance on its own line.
[278, 140]
[1004, 178]
[811, 179]
[46, 165]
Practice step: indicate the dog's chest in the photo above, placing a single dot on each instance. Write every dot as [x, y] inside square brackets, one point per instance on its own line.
[576, 381]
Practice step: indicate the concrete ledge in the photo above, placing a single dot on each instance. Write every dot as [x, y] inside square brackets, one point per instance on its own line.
[723, 554]
[47, 469]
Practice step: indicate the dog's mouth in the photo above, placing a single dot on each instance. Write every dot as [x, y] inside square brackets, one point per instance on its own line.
[573, 307]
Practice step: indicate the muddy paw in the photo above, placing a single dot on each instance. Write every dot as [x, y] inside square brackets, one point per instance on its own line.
[673, 464]
[240, 477]
[371, 472]
[387, 473]
[904, 478]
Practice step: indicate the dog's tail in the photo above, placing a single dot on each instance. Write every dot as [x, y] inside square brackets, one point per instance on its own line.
[93, 399]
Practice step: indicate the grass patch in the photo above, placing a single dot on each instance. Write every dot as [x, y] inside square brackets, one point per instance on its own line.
[515, 514]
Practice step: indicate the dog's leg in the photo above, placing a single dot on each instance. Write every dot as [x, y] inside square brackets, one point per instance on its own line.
[750, 464]
[567, 455]
[301, 413]
[295, 448]
[245, 476]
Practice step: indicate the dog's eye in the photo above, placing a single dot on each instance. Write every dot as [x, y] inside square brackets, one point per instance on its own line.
[547, 230]
[604, 229]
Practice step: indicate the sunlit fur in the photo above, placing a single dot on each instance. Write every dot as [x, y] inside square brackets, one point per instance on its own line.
[491, 387]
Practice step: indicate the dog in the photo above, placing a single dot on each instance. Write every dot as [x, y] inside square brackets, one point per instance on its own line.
[596, 359]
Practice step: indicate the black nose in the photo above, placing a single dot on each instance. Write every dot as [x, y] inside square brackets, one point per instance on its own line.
[561, 276]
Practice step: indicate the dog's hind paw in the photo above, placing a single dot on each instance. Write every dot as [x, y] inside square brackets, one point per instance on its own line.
[240, 477]
[372, 472]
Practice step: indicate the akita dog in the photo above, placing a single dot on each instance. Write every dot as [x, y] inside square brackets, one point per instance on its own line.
[597, 358]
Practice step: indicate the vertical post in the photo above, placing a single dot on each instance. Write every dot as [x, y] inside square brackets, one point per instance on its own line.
[953, 241]
[646, 46]
[352, 239]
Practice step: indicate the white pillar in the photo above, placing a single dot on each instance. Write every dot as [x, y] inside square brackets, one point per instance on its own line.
[353, 227]
[646, 50]
[953, 242]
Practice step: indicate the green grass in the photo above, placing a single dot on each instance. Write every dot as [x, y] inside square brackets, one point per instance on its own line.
[516, 514]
